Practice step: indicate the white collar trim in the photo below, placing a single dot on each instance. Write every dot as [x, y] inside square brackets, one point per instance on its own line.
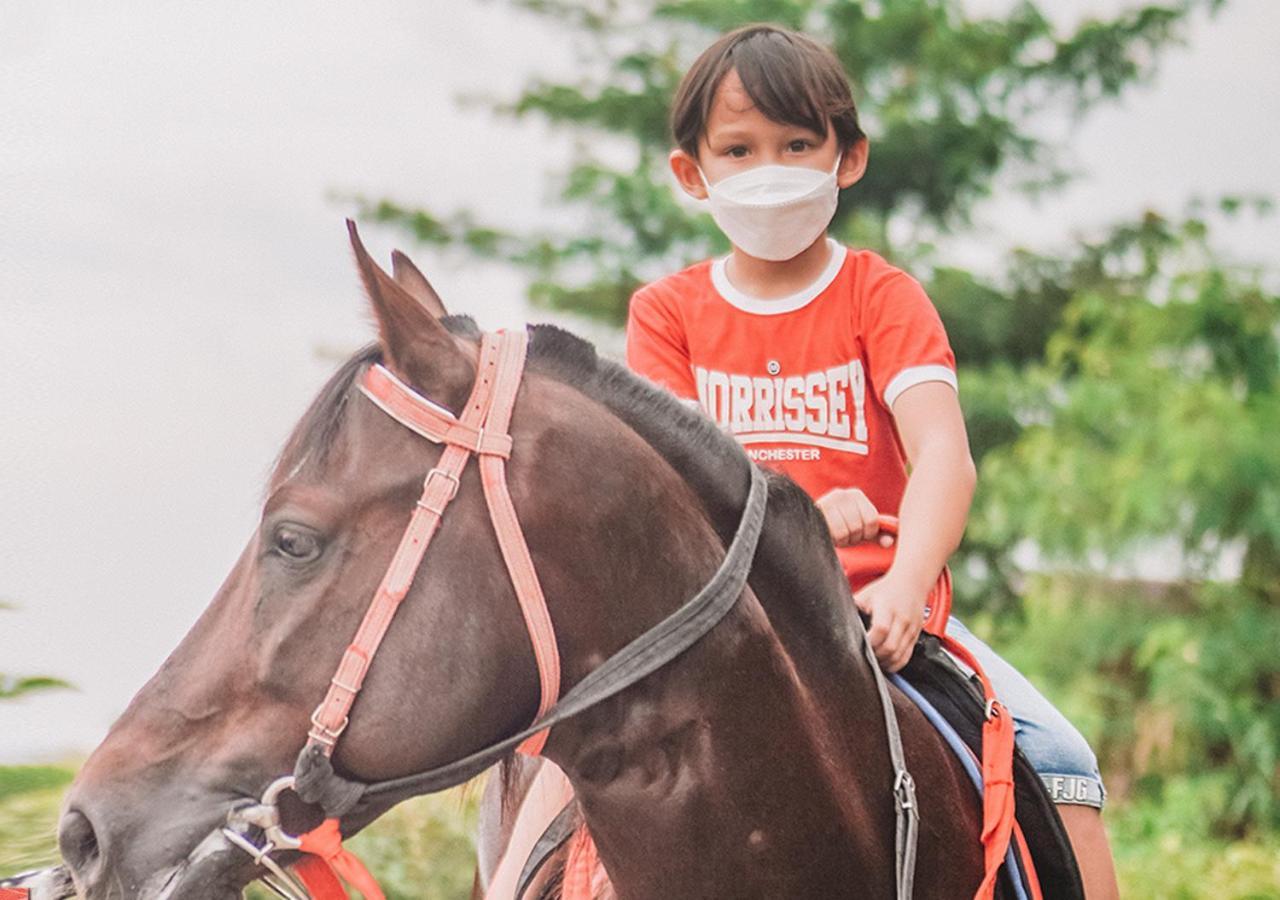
[777, 305]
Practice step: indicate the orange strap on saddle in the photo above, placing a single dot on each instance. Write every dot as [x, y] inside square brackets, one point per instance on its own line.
[998, 823]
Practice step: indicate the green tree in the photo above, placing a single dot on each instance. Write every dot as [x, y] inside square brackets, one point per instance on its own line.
[1120, 397]
[1151, 422]
[949, 100]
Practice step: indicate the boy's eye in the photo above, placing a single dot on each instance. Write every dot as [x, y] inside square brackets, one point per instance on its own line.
[737, 152]
[799, 146]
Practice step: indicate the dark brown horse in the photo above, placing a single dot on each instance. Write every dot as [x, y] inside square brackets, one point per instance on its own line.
[754, 765]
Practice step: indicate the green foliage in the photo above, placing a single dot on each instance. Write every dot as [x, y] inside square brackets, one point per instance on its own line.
[1150, 423]
[29, 802]
[949, 100]
[1158, 402]
[14, 686]
[15, 780]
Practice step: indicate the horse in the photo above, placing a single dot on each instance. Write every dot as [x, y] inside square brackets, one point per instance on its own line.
[754, 764]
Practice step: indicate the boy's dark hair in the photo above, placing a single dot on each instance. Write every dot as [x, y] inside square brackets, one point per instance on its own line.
[789, 76]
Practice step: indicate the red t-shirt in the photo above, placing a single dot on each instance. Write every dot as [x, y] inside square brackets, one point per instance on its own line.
[806, 383]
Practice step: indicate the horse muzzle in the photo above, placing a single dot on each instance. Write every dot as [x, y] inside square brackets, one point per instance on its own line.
[217, 869]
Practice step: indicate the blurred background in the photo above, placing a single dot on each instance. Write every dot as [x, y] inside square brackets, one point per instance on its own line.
[1085, 187]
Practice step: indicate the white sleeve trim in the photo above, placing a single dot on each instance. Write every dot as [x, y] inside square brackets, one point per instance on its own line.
[918, 375]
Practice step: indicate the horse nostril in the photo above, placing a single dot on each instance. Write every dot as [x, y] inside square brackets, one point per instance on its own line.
[77, 841]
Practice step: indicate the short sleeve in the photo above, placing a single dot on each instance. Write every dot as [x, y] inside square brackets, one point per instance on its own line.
[906, 343]
[657, 346]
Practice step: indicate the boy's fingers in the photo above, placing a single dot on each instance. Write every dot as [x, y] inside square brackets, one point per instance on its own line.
[847, 509]
[897, 639]
[863, 604]
[878, 631]
[869, 516]
[835, 523]
[907, 645]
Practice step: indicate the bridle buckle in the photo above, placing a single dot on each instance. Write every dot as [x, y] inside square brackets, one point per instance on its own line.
[322, 733]
[426, 487]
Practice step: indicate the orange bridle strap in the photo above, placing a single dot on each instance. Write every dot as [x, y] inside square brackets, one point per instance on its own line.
[325, 859]
[482, 430]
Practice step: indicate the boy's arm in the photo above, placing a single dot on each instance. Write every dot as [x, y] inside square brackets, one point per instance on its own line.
[931, 517]
[657, 347]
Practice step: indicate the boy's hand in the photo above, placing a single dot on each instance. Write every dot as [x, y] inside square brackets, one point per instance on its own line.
[896, 607]
[851, 517]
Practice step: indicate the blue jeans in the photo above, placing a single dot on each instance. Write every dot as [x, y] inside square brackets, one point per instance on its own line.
[1057, 751]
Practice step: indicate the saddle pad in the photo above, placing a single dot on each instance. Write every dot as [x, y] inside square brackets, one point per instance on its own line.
[958, 699]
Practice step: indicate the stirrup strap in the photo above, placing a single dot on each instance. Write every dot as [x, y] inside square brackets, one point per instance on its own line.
[997, 774]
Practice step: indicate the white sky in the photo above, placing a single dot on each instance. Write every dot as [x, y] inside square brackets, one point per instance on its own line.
[171, 259]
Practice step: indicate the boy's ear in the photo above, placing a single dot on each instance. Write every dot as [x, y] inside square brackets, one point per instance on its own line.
[853, 165]
[687, 172]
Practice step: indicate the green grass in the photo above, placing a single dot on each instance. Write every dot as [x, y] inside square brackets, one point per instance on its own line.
[422, 849]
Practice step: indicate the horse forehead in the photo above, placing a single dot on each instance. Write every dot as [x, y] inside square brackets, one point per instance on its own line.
[367, 448]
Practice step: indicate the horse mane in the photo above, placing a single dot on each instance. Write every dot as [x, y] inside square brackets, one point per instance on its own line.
[552, 351]
[309, 442]
[574, 361]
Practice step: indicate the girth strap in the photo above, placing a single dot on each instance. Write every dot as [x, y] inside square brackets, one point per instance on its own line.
[906, 811]
[317, 782]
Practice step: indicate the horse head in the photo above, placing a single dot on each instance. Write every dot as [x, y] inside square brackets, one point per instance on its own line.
[227, 712]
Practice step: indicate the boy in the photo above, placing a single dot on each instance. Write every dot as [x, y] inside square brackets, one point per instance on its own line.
[831, 365]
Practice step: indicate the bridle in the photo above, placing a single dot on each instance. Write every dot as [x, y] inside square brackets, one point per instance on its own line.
[482, 430]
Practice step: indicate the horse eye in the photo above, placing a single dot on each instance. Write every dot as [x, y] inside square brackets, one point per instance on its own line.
[296, 543]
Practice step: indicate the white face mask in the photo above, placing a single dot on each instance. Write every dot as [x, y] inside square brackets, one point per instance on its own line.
[774, 212]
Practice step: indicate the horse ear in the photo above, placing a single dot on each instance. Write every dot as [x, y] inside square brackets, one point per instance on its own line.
[412, 280]
[414, 344]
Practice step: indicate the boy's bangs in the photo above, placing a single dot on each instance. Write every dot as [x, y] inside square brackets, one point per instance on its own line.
[790, 78]
[784, 89]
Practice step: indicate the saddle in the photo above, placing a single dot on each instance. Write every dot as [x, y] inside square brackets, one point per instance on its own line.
[959, 700]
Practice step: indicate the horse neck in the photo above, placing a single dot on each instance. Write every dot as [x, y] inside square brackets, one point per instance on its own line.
[796, 575]
[695, 773]
[704, 760]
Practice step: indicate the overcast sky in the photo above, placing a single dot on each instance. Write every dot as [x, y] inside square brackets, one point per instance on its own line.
[172, 258]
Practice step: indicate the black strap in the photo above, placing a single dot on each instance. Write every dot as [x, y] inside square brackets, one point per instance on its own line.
[560, 830]
[318, 783]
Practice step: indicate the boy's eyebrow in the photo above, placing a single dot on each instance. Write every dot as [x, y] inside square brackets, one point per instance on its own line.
[732, 134]
[738, 134]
